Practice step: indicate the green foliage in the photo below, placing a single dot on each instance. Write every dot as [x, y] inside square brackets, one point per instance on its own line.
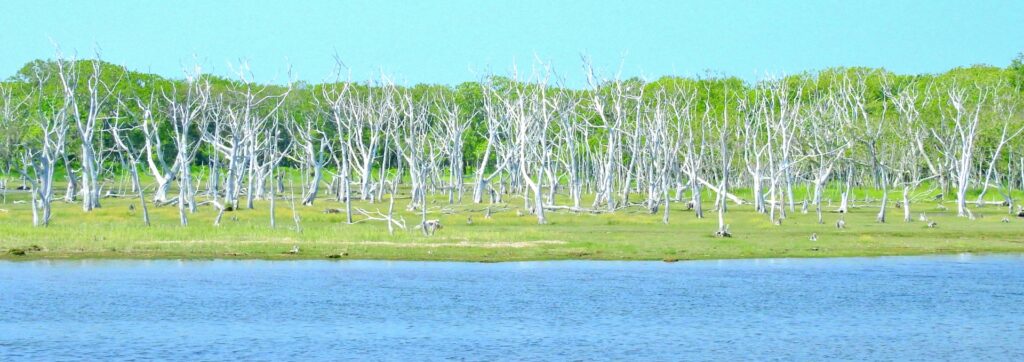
[1017, 70]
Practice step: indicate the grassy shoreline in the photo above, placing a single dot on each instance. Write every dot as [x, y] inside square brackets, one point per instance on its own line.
[44, 256]
[115, 232]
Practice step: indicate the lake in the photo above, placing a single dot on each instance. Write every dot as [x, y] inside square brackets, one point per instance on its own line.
[961, 307]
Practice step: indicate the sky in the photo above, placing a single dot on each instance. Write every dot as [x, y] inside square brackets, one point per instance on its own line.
[449, 42]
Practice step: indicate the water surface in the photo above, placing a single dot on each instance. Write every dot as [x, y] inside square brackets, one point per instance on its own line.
[905, 308]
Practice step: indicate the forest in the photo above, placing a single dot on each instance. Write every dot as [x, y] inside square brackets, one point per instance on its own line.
[84, 131]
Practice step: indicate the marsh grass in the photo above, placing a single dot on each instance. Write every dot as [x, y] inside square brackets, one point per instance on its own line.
[114, 231]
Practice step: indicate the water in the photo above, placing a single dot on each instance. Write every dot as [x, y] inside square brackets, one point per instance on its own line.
[903, 308]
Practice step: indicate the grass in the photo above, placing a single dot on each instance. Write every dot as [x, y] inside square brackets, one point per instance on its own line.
[114, 231]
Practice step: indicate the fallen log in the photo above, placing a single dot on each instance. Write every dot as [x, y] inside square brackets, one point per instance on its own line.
[734, 198]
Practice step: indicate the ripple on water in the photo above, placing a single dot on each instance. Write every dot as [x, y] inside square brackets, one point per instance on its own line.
[906, 308]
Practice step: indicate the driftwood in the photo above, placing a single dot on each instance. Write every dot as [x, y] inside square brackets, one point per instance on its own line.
[379, 216]
[581, 209]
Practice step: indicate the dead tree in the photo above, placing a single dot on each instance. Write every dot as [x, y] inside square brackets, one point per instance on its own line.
[1005, 110]
[87, 119]
[531, 115]
[609, 101]
[311, 145]
[725, 161]
[963, 123]
[453, 126]
[498, 141]
[275, 154]
[184, 112]
[14, 128]
[124, 143]
[40, 157]
[908, 104]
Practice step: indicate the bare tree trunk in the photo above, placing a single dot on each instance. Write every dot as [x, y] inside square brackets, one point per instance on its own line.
[844, 201]
[273, 200]
[906, 204]
[885, 197]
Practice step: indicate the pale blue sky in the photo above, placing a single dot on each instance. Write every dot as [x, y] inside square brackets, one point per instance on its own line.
[453, 41]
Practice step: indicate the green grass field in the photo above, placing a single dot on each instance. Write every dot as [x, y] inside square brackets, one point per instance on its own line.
[114, 231]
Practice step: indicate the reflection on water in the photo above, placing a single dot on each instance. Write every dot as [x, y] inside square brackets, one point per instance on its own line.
[927, 308]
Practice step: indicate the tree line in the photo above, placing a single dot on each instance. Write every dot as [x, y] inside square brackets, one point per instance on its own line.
[614, 144]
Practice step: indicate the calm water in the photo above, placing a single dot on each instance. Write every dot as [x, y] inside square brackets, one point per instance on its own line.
[906, 308]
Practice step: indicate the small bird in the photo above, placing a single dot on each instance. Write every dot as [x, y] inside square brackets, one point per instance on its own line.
[469, 220]
[295, 249]
[841, 224]
[814, 236]
[932, 224]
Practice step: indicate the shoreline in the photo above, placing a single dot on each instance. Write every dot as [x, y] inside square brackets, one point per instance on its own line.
[270, 258]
